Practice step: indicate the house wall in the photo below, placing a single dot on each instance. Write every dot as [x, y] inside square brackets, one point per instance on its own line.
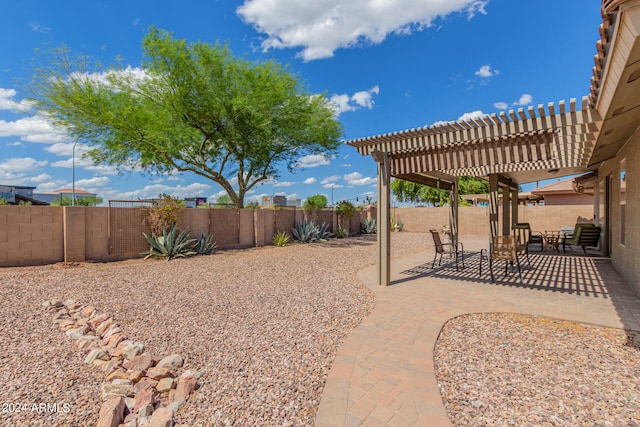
[625, 256]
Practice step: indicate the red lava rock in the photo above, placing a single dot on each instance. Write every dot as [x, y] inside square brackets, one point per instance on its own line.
[111, 412]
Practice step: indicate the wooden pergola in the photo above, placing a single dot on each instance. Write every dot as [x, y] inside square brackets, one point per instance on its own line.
[507, 149]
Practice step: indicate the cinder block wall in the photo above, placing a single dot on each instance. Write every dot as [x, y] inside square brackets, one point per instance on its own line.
[474, 221]
[31, 235]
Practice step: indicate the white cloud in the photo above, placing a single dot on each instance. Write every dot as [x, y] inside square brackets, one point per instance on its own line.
[485, 72]
[356, 178]
[284, 184]
[33, 129]
[466, 116]
[66, 149]
[51, 186]
[501, 105]
[152, 191]
[330, 179]
[313, 160]
[525, 99]
[321, 27]
[472, 115]
[332, 186]
[39, 28]
[18, 171]
[7, 102]
[362, 99]
[15, 144]
[21, 164]
[99, 181]
[346, 165]
[310, 180]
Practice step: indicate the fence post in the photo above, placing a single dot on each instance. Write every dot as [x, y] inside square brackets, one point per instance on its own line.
[258, 227]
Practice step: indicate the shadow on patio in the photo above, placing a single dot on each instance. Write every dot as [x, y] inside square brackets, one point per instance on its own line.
[588, 276]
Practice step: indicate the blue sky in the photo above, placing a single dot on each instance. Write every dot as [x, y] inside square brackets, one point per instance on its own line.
[387, 65]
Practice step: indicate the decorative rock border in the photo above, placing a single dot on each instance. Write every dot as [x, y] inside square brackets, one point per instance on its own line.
[140, 389]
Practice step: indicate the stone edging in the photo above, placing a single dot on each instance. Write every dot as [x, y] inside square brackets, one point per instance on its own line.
[139, 389]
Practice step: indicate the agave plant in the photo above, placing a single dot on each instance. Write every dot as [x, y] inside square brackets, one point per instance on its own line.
[310, 232]
[170, 245]
[205, 245]
[323, 232]
[305, 232]
[280, 238]
[368, 226]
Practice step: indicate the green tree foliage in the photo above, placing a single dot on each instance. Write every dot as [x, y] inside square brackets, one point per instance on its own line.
[224, 200]
[194, 107]
[411, 192]
[80, 201]
[315, 202]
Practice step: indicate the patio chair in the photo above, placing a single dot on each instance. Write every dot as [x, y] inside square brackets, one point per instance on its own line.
[584, 234]
[504, 248]
[525, 237]
[456, 250]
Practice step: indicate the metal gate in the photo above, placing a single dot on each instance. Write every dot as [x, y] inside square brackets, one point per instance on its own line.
[126, 225]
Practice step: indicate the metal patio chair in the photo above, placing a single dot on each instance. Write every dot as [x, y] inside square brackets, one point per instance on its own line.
[449, 248]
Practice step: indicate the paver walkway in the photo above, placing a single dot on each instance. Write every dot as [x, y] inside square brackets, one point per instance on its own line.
[383, 374]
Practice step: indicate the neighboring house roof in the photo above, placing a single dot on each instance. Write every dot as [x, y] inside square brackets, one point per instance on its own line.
[21, 198]
[560, 187]
[70, 191]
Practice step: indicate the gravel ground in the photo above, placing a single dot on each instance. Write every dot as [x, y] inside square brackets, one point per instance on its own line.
[262, 325]
[516, 370]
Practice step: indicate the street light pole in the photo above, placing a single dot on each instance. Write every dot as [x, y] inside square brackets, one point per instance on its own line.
[73, 174]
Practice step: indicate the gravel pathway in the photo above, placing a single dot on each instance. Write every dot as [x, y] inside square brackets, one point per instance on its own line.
[262, 325]
[517, 370]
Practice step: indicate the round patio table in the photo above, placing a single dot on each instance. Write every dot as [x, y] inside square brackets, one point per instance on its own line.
[552, 240]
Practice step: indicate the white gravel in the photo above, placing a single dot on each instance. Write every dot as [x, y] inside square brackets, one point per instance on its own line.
[263, 326]
[517, 370]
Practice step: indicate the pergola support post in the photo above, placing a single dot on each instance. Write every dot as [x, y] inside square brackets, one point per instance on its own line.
[506, 211]
[453, 212]
[383, 217]
[514, 205]
[493, 206]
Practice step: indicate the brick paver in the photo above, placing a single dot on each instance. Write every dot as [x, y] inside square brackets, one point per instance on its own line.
[384, 373]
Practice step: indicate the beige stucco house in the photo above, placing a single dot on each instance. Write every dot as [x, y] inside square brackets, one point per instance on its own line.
[598, 134]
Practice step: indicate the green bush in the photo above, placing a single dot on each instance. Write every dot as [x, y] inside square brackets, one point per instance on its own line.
[340, 233]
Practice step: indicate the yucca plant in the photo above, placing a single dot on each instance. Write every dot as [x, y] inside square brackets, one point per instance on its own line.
[205, 244]
[369, 226]
[280, 238]
[170, 245]
[340, 233]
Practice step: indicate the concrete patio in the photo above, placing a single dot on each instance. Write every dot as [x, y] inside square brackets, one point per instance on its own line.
[383, 374]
